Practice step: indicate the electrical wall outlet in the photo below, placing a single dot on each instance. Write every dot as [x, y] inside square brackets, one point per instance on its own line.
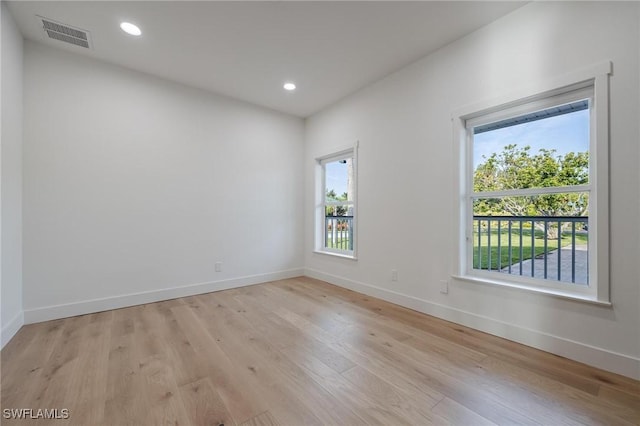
[218, 266]
[394, 275]
[444, 286]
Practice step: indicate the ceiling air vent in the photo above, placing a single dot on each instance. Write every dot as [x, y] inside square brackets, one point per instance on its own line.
[65, 33]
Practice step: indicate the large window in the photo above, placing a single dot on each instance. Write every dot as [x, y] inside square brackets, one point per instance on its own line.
[336, 215]
[533, 207]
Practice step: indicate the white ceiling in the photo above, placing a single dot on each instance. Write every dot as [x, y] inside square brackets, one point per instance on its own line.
[247, 50]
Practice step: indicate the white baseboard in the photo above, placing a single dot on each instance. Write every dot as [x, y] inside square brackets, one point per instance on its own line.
[10, 330]
[122, 301]
[598, 357]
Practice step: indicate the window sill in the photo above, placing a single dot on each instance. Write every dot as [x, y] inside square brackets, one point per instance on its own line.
[340, 255]
[546, 291]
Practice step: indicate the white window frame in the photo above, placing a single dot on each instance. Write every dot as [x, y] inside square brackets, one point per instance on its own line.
[321, 203]
[592, 83]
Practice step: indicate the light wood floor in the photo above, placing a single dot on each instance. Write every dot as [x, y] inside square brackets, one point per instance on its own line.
[297, 352]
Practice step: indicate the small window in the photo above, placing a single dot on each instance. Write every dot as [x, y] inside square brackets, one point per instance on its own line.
[336, 215]
[534, 206]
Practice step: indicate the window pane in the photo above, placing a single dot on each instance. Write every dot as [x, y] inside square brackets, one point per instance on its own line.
[339, 180]
[338, 230]
[336, 216]
[545, 152]
[339, 210]
[543, 236]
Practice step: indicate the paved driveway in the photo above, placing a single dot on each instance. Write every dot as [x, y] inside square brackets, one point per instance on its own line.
[566, 254]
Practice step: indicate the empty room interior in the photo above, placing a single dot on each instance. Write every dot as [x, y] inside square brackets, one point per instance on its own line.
[309, 213]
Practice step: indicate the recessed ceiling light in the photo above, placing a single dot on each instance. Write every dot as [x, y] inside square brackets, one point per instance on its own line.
[129, 28]
[289, 86]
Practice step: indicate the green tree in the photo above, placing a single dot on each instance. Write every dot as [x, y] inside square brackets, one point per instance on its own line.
[335, 210]
[518, 168]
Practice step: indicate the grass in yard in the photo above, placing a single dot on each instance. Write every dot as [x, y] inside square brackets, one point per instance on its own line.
[339, 244]
[481, 254]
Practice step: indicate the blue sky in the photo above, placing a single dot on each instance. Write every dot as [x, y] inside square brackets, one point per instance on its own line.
[564, 133]
[336, 177]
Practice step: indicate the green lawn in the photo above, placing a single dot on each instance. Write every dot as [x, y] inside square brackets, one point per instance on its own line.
[538, 246]
[339, 243]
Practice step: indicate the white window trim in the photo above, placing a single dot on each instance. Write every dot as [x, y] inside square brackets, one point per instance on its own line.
[570, 94]
[597, 76]
[320, 203]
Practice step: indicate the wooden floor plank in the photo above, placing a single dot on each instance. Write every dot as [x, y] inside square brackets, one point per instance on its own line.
[90, 386]
[499, 397]
[204, 405]
[22, 367]
[409, 333]
[296, 352]
[567, 402]
[62, 368]
[263, 419]
[283, 335]
[323, 405]
[251, 369]
[458, 414]
[413, 406]
[126, 402]
[367, 407]
[539, 362]
[242, 402]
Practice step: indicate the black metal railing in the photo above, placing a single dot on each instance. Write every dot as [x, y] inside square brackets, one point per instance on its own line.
[338, 232]
[548, 247]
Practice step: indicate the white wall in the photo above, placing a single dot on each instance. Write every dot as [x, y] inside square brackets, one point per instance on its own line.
[11, 186]
[406, 166]
[134, 187]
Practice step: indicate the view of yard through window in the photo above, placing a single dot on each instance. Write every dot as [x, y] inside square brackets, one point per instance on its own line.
[527, 217]
[339, 205]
